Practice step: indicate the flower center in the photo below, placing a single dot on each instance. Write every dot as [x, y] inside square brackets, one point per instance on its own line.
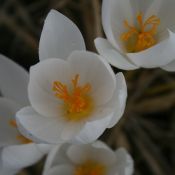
[90, 168]
[77, 102]
[20, 137]
[143, 36]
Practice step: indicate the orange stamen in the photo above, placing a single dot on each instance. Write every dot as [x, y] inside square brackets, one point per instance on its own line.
[12, 122]
[76, 100]
[23, 139]
[143, 37]
[90, 168]
[19, 137]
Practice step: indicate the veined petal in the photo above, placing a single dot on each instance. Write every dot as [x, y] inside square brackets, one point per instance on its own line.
[60, 36]
[113, 56]
[20, 156]
[38, 127]
[157, 56]
[95, 71]
[170, 66]
[8, 133]
[119, 99]
[13, 81]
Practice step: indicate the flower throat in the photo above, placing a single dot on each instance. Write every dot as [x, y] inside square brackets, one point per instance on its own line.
[90, 168]
[77, 102]
[142, 37]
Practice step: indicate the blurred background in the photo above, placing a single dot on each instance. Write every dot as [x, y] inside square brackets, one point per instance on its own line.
[147, 129]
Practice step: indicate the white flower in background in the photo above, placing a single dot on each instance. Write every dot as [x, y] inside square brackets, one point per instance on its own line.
[92, 159]
[140, 33]
[74, 95]
[16, 151]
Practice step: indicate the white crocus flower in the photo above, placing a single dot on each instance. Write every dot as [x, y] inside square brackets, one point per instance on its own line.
[140, 33]
[91, 159]
[16, 151]
[74, 95]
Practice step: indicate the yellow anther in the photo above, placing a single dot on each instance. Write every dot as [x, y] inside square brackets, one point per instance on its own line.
[143, 36]
[77, 102]
[23, 139]
[90, 168]
[12, 122]
[19, 137]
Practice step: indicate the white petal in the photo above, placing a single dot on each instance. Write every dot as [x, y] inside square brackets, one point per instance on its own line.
[81, 153]
[78, 153]
[100, 144]
[6, 170]
[60, 36]
[113, 56]
[13, 81]
[140, 6]
[94, 70]
[41, 94]
[57, 156]
[8, 133]
[154, 8]
[93, 130]
[165, 11]
[48, 130]
[71, 130]
[100, 112]
[156, 56]
[61, 170]
[113, 14]
[119, 99]
[125, 164]
[169, 67]
[53, 156]
[20, 156]
[45, 148]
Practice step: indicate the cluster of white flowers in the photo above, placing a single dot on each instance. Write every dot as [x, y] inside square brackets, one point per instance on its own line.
[90, 159]
[16, 151]
[139, 34]
[73, 95]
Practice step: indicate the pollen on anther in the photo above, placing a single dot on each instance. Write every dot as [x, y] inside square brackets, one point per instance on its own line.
[90, 167]
[77, 101]
[19, 137]
[140, 37]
